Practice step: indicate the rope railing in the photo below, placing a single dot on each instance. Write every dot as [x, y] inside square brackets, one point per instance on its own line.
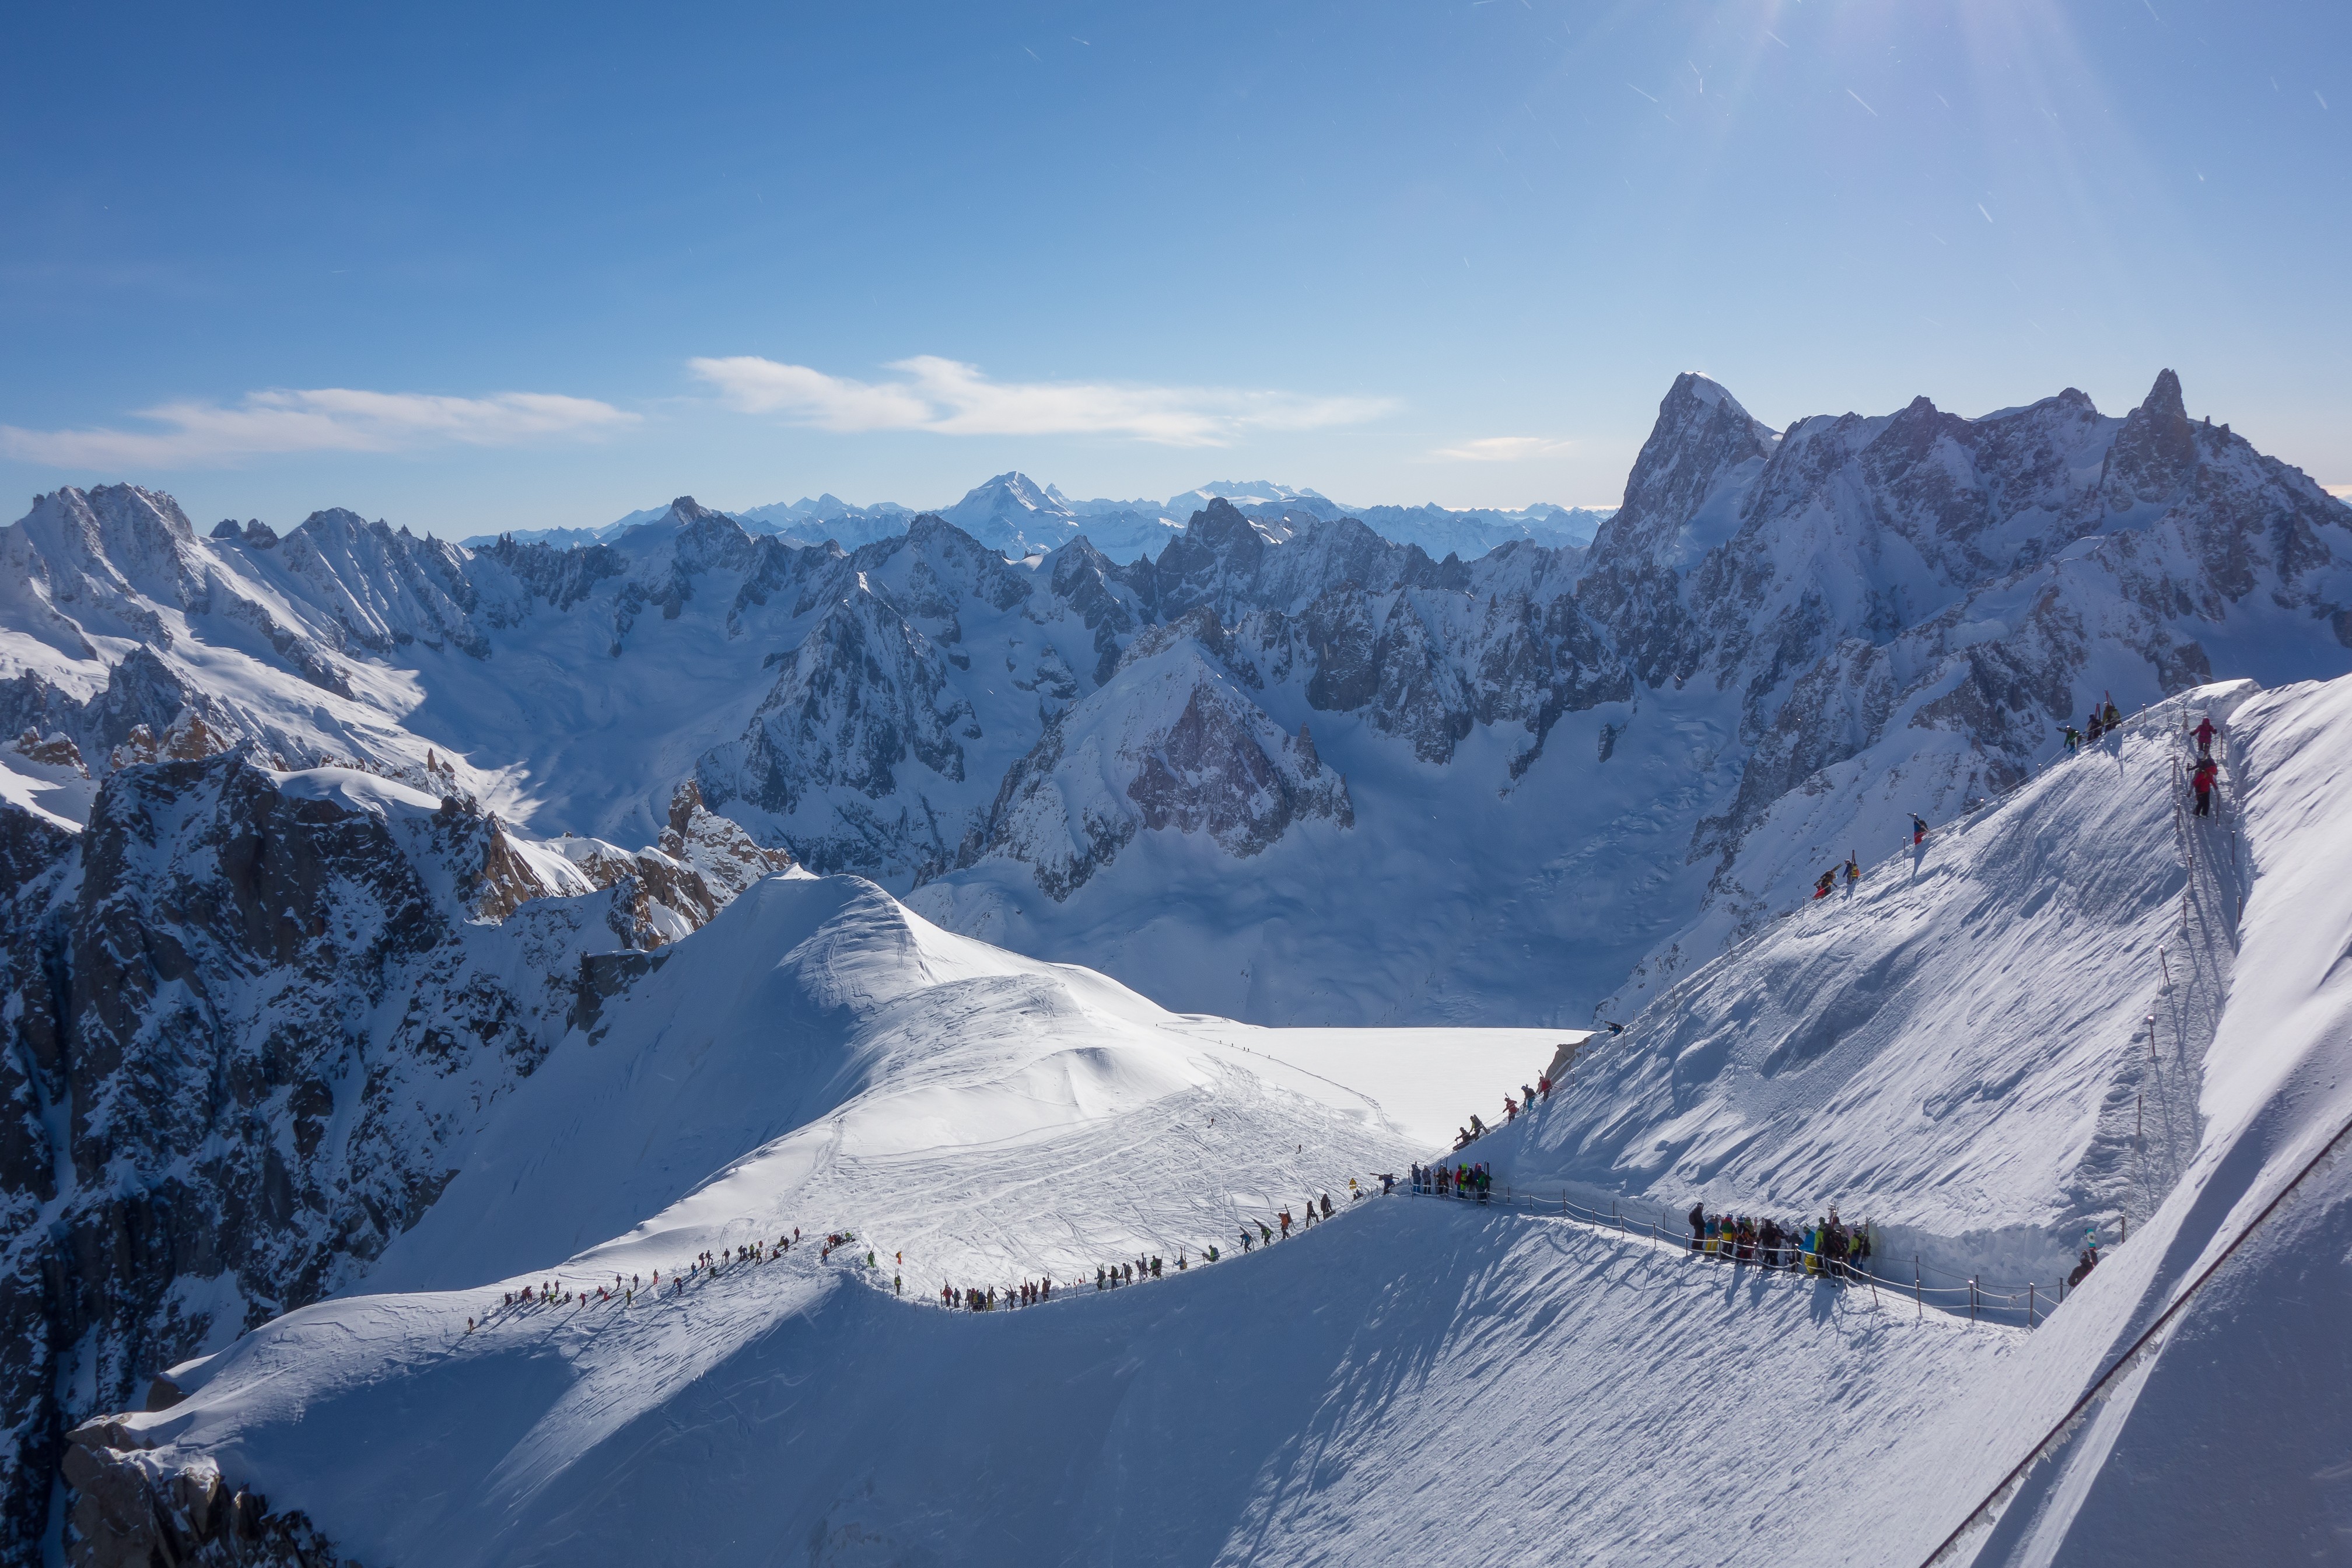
[2030, 1301]
[2052, 1441]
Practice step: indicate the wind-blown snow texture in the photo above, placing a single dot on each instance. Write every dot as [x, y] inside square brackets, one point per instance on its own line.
[316, 875]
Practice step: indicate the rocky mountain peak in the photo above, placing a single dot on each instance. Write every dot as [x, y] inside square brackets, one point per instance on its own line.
[2156, 451]
[1701, 439]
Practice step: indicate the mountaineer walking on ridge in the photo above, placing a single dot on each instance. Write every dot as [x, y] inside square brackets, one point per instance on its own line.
[2205, 735]
[2202, 780]
[2114, 721]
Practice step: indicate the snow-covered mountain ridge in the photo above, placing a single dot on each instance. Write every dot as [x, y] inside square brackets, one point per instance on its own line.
[1286, 771]
[1014, 515]
[1780, 645]
[1422, 1379]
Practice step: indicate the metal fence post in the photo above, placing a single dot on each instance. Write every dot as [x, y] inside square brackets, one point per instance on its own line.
[1919, 1293]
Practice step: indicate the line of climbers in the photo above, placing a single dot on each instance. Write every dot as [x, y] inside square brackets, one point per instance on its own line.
[1828, 1246]
[706, 1265]
[2207, 770]
[2104, 720]
[1148, 1267]
[1465, 1136]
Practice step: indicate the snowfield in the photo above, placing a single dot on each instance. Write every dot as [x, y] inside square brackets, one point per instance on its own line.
[1944, 1049]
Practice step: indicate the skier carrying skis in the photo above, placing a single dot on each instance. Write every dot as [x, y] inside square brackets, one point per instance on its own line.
[2114, 719]
[2072, 736]
[2203, 780]
[1852, 870]
[1822, 888]
[2095, 727]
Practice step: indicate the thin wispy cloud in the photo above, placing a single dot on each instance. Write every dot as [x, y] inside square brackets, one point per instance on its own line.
[948, 397]
[1502, 450]
[323, 420]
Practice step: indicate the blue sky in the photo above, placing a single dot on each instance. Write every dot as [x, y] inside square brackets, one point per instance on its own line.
[468, 272]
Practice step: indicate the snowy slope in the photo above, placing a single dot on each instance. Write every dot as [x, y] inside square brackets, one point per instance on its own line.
[1308, 1406]
[1419, 1380]
[1958, 1045]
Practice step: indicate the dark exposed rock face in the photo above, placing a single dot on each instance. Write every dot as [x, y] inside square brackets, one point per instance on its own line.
[131, 1512]
[1194, 754]
[244, 1024]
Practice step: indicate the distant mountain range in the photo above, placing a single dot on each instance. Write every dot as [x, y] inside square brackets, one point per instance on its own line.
[1012, 513]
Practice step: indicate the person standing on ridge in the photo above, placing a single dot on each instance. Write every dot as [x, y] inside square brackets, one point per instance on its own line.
[1821, 888]
[2205, 736]
[2072, 736]
[2202, 779]
[2094, 728]
[2114, 721]
[1852, 870]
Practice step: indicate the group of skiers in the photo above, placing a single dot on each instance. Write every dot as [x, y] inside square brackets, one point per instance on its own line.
[1827, 1246]
[1462, 1181]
